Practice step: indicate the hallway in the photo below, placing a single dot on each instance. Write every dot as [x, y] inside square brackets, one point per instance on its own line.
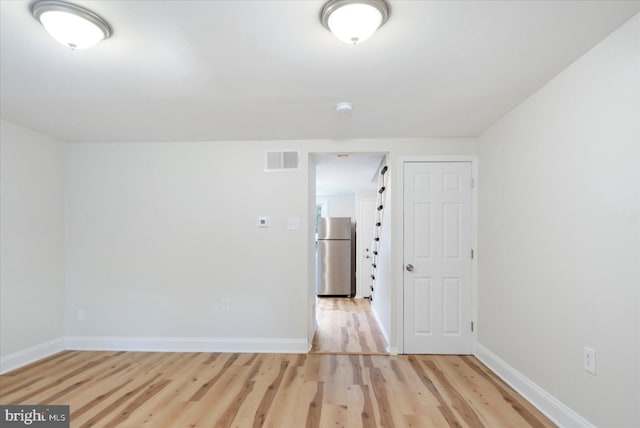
[347, 326]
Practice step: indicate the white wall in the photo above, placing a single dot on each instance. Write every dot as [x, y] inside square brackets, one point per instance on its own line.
[159, 234]
[559, 234]
[32, 244]
[312, 323]
[340, 205]
[384, 290]
[365, 219]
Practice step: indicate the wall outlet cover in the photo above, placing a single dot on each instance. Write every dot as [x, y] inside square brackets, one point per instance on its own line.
[590, 360]
[263, 222]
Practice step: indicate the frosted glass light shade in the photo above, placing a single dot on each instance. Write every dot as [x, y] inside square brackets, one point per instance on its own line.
[354, 21]
[71, 25]
[71, 30]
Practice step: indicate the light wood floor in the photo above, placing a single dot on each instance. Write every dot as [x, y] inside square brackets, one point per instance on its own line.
[135, 389]
[347, 326]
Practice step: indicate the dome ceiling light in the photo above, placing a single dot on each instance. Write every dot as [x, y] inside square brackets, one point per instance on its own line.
[354, 21]
[74, 26]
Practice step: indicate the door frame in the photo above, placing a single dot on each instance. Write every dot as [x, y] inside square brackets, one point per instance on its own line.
[399, 202]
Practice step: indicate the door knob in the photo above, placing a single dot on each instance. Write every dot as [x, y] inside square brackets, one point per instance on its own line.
[409, 267]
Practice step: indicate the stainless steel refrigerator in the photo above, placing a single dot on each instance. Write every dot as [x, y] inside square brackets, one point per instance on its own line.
[335, 263]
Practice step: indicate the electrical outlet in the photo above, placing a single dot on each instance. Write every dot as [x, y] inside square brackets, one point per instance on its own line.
[226, 305]
[590, 360]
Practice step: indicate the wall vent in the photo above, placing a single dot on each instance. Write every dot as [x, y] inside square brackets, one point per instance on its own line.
[282, 161]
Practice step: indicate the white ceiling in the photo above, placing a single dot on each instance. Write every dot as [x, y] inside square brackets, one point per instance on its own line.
[346, 173]
[262, 70]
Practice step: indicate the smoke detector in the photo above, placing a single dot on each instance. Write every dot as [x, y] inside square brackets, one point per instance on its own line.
[344, 107]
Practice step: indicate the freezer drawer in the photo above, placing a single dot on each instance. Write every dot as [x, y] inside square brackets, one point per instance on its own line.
[334, 268]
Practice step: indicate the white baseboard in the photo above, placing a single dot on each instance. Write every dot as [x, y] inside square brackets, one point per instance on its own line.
[553, 408]
[187, 344]
[30, 355]
[383, 330]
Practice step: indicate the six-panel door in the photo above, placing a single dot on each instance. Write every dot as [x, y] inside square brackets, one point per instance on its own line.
[437, 245]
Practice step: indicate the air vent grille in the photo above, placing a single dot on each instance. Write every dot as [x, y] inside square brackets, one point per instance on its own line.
[282, 161]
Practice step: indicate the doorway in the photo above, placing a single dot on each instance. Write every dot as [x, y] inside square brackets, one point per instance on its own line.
[345, 186]
[347, 326]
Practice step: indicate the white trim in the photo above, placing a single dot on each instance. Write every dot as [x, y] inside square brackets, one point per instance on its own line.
[382, 329]
[399, 215]
[30, 355]
[393, 351]
[314, 323]
[187, 344]
[553, 408]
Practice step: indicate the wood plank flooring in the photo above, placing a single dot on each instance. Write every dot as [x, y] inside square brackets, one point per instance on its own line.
[136, 389]
[347, 326]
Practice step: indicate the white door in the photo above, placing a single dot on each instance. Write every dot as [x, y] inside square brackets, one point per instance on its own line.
[364, 237]
[437, 258]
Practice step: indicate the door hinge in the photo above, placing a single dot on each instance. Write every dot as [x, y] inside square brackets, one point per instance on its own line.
[471, 326]
[472, 254]
[473, 182]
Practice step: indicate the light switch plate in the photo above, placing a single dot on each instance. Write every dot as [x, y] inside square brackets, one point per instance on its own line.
[263, 222]
[590, 360]
[293, 223]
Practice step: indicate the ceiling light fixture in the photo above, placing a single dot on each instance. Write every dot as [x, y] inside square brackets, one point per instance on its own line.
[354, 21]
[74, 26]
